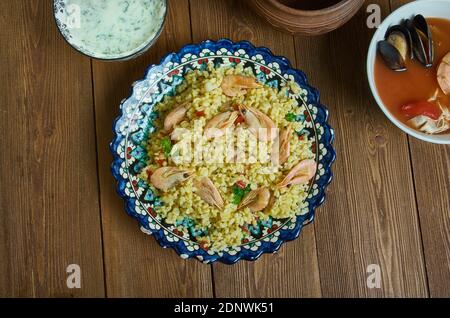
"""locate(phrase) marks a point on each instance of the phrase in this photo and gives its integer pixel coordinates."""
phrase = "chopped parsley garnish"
(239, 193)
(290, 117)
(166, 145)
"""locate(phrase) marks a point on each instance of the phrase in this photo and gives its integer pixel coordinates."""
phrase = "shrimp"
(217, 126)
(259, 123)
(281, 148)
(256, 200)
(285, 146)
(208, 192)
(301, 173)
(443, 74)
(165, 178)
(174, 117)
(430, 126)
(233, 85)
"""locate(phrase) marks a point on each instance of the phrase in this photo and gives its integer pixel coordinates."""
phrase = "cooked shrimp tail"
(256, 200)
(301, 173)
(259, 123)
(285, 148)
(208, 192)
(174, 117)
(165, 178)
(217, 126)
(233, 85)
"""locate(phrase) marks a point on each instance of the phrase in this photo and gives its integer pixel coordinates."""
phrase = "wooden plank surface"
(389, 203)
(431, 167)
(431, 170)
(49, 188)
(370, 215)
(293, 272)
(135, 264)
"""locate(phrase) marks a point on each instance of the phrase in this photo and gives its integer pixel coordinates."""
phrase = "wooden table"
(389, 203)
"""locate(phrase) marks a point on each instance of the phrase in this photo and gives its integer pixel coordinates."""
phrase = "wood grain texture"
(431, 167)
(135, 264)
(49, 188)
(293, 272)
(389, 203)
(371, 216)
(431, 170)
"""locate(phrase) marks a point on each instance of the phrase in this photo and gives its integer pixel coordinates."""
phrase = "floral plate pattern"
(133, 126)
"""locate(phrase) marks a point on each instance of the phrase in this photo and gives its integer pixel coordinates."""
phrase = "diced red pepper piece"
(244, 228)
(421, 108)
(239, 120)
(160, 162)
(241, 184)
(200, 113)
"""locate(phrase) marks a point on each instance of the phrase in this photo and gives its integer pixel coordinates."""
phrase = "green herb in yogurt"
(115, 28)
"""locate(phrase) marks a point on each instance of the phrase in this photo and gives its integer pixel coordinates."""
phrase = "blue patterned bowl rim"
(324, 141)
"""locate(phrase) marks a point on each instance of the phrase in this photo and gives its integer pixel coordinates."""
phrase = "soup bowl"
(429, 9)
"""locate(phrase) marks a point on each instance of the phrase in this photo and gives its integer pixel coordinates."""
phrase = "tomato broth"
(417, 83)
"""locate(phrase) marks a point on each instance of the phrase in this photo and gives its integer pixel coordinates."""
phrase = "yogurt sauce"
(113, 29)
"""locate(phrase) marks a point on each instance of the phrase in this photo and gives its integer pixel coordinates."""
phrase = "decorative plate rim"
(327, 138)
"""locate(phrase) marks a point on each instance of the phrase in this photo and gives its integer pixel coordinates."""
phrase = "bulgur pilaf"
(215, 194)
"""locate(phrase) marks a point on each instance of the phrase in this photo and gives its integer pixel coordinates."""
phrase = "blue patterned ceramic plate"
(134, 125)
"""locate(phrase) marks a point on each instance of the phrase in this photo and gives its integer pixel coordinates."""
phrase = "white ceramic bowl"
(62, 13)
(428, 8)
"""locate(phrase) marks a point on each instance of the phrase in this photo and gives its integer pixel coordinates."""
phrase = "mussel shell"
(422, 42)
(421, 24)
(398, 40)
(391, 56)
(406, 36)
(417, 47)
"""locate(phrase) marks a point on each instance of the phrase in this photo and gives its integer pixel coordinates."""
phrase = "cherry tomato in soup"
(421, 108)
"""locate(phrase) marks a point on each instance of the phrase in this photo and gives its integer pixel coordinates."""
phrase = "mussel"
(399, 36)
(395, 48)
(424, 46)
(391, 56)
(410, 39)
